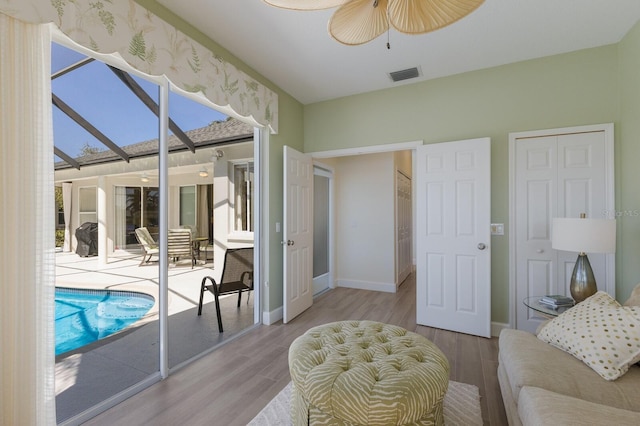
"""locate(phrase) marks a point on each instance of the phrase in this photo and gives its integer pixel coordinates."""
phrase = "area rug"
(461, 407)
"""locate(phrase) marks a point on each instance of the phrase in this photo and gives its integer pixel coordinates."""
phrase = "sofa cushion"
(541, 407)
(600, 333)
(510, 404)
(528, 361)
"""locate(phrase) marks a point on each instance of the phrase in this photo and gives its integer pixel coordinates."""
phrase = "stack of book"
(557, 301)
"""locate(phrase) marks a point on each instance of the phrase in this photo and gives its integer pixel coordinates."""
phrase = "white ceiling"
(294, 50)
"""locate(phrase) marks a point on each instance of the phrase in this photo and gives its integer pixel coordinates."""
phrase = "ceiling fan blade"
(358, 21)
(422, 16)
(306, 4)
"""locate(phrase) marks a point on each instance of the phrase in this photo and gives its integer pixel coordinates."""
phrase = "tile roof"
(216, 133)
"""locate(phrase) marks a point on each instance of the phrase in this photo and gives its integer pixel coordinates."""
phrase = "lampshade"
(584, 235)
(203, 172)
(144, 178)
(360, 21)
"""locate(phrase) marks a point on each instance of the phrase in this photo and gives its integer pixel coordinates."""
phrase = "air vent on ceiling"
(404, 74)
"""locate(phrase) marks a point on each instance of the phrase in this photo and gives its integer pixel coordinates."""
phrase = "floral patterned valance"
(154, 47)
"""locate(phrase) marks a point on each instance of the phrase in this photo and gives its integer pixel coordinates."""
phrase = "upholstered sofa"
(542, 384)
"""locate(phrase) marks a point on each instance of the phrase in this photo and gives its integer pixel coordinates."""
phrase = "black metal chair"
(237, 276)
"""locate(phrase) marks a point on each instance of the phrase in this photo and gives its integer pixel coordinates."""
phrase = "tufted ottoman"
(366, 373)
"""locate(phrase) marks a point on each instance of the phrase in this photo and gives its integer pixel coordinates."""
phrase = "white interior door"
(298, 234)
(556, 175)
(453, 277)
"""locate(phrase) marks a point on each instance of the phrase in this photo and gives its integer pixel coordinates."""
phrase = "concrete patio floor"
(100, 370)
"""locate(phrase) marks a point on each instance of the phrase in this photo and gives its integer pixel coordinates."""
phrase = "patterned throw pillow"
(599, 332)
(634, 299)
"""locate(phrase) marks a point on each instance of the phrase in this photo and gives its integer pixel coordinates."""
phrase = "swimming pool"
(84, 316)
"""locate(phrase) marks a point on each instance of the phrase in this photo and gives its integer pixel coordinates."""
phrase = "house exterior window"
(243, 177)
(188, 205)
(150, 202)
(60, 218)
(59, 209)
(135, 207)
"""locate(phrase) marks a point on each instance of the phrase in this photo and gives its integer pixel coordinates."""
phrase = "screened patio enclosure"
(107, 162)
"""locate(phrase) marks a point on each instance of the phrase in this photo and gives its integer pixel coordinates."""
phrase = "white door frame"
(608, 130)
(322, 169)
(261, 221)
(268, 317)
(371, 149)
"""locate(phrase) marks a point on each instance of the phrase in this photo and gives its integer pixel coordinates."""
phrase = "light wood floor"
(231, 385)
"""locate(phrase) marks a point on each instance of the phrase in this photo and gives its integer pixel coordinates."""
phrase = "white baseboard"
(367, 285)
(497, 327)
(272, 317)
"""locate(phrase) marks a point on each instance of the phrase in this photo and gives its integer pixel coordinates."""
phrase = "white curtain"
(66, 205)
(120, 199)
(27, 226)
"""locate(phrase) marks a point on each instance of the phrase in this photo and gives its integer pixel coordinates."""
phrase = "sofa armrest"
(538, 407)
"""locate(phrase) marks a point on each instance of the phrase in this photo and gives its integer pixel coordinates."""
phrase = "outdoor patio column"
(66, 205)
(103, 256)
(222, 222)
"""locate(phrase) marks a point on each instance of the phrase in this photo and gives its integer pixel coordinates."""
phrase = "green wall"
(577, 88)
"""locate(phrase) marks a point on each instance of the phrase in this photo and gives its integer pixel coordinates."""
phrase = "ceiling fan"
(360, 21)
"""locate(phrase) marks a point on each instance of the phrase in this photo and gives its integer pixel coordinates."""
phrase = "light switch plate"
(497, 229)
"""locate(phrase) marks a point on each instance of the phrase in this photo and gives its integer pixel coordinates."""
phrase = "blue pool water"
(84, 316)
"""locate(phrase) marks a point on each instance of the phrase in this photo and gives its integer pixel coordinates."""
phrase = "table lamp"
(584, 236)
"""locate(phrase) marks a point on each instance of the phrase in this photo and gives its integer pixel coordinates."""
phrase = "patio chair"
(199, 243)
(237, 276)
(147, 243)
(179, 245)
(192, 228)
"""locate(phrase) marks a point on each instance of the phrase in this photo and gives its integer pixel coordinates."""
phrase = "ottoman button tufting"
(372, 373)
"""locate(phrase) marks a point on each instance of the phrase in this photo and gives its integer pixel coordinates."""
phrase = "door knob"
(290, 242)
(482, 246)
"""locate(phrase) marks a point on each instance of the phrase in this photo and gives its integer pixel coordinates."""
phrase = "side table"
(197, 246)
(547, 311)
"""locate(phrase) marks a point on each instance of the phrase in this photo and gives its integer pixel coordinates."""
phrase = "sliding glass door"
(214, 199)
(135, 207)
(107, 336)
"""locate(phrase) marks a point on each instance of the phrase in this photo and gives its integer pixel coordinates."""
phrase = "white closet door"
(556, 176)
